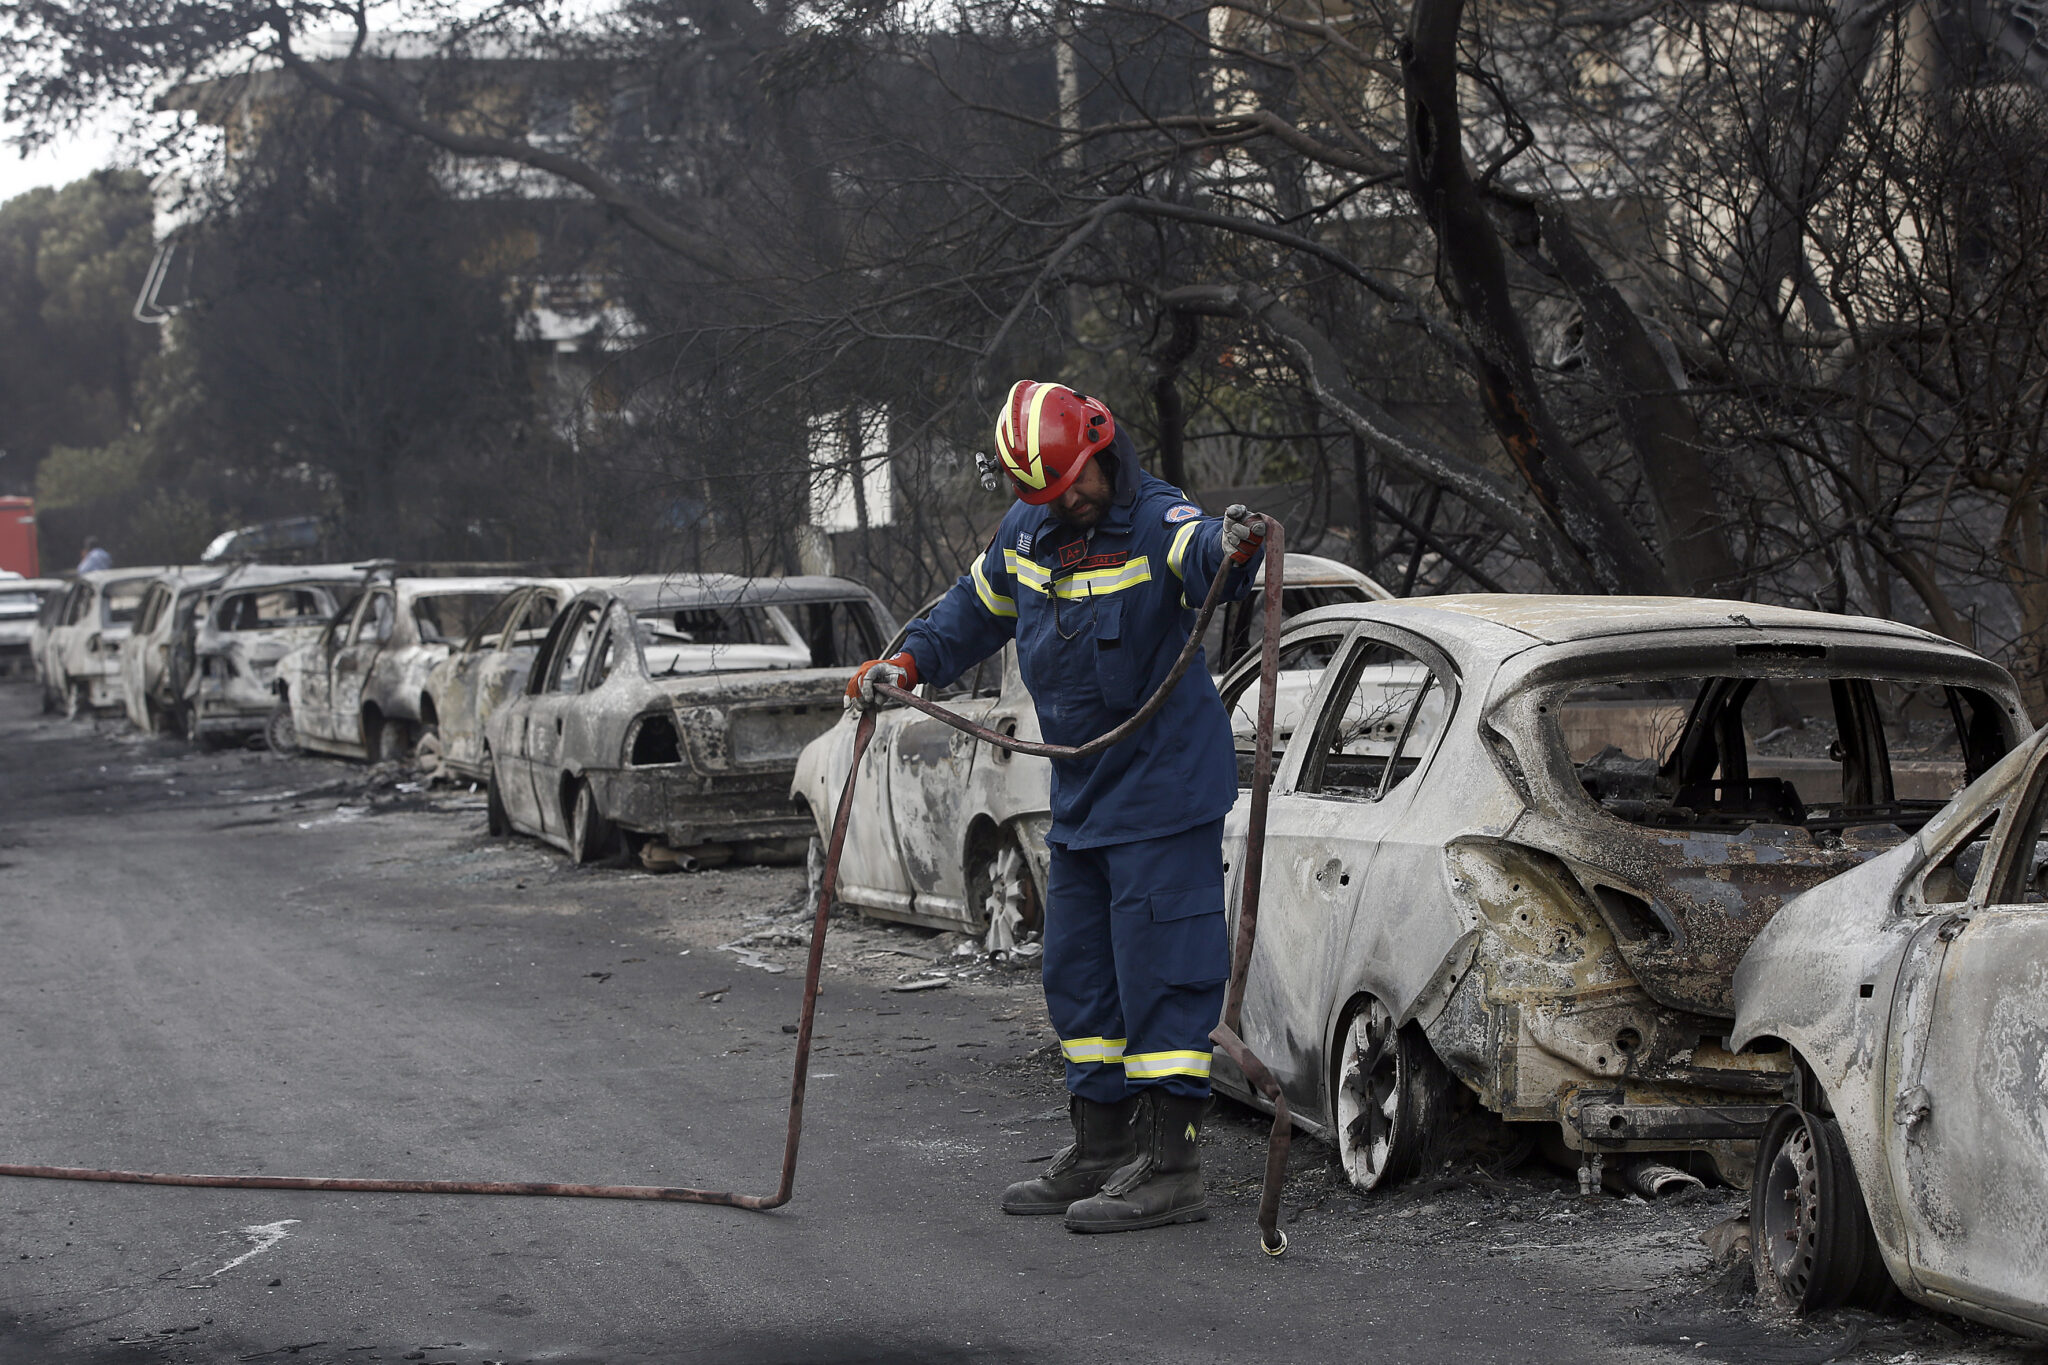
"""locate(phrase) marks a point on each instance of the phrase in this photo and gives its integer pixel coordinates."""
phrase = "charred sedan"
(673, 710)
(1911, 996)
(1517, 846)
(360, 689)
(257, 615)
(77, 642)
(157, 664)
(487, 668)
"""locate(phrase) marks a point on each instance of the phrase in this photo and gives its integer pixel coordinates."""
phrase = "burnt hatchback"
(1517, 846)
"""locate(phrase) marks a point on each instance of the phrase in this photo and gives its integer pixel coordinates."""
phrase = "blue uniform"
(1136, 954)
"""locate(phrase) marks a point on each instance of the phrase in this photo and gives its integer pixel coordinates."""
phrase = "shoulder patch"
(1180, 512)
(1023, 542)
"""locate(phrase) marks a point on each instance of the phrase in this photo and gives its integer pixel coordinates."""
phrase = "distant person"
(96, 556)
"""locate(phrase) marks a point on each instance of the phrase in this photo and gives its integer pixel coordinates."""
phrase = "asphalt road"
(241, 964)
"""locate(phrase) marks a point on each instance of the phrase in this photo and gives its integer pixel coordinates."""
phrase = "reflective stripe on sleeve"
(997, 604)
(1147, 1066)
(1177, 553)
(1081, 1051)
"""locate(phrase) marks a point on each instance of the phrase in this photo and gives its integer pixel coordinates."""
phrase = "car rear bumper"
(685, 808)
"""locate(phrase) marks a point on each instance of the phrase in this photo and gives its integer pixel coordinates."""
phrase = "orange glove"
(898, 671)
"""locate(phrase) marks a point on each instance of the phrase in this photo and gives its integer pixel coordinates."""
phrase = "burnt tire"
(280, 735)
(428, 757)
(593, 840)
(497, 823)
(1811, 1244)
(1392, 1097)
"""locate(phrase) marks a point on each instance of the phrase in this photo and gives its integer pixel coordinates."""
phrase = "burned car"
(22, 602)
(157, 663)
(79, 650)
(1517, 845)
(950, 833)
(253, 618)
(673, 709)
(357, 690)
(473, 681)
(1911, 997)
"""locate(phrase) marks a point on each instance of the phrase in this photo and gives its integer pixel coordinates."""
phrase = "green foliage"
(75, 476)
(71, 262)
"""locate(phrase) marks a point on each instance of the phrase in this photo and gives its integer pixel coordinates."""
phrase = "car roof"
(100, 578)
(442, 587)
(282, 575)
(1516, 620)
(652, 592)
(1314, 571)
(41, 585)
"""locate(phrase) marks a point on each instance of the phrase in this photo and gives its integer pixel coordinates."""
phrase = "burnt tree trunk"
(1474, 280)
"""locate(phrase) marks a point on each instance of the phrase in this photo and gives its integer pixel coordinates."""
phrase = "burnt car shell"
(695, 747)
(1566, 964)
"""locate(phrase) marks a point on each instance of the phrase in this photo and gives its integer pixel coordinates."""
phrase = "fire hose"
(1225, 1035)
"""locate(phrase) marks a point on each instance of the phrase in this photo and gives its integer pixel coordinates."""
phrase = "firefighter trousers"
(1136, 960)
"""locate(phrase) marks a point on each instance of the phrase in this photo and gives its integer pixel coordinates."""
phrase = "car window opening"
(450, 618)
(1301, 667)
(273, 609)
(1826, 754)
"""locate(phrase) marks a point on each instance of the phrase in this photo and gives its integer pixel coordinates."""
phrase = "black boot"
(1104, 1139)
(1164, 1183)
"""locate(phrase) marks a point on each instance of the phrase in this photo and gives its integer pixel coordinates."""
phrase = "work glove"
(1244, 532)
(898, 670)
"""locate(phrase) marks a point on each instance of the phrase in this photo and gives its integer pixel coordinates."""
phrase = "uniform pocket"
(1191, 942)
(1116, 664)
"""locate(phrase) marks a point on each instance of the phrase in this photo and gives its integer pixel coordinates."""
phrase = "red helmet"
(1045, 433)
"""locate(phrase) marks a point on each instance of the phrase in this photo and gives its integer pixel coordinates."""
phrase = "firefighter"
(1096, 572)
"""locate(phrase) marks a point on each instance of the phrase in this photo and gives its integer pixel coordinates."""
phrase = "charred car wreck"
(672, 710)
(257, 615)
(1521, 843)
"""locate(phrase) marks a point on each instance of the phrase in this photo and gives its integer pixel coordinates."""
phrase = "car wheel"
(427, 753)
(279, 733)
(77, 702)
(592, 839)
(999, 886)
(496, 823)
(1393, 1097)
(375, 731)
(1810, 1239)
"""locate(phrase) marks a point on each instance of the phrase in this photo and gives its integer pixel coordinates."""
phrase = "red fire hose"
(1225, 1035)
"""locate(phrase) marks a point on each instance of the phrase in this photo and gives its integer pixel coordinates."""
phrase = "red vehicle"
(18, 537)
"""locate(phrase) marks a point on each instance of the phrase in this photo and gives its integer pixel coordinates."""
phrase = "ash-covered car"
(1517, 845)
(1911, 997)
(157, 664)
(485, 669)
(79, 649)
(359, 689)
(21, 604)
(949, 833)
(673, 709)
(253, 618)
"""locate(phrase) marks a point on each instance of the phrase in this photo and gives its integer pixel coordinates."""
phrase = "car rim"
(579, 824)
(1006, 899)
(1369, 1095)
(1792, 1213)
(283, 735)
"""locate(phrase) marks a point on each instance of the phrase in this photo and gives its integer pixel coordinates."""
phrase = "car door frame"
(357, 658)
(1339, 966)
(544, 717)
(1920, 1094)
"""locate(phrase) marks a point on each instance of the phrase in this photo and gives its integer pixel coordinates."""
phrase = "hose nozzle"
(991, 477)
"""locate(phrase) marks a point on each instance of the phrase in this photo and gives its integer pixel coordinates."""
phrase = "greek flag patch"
(1023, 542)
(1182, 512)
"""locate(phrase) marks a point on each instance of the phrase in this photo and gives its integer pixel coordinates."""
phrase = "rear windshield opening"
(274, 609)
(123, 600)
(1825, 753)
(740, 636)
